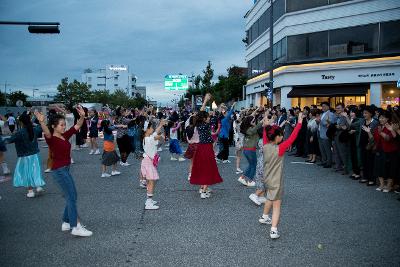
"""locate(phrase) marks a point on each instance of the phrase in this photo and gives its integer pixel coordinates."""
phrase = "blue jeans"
(67, 186)
(251, 157)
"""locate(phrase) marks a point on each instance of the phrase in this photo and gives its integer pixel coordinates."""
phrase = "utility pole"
(5, 92)
(270, 94)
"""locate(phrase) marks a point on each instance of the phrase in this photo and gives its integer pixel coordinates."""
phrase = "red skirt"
(190, 151)
(205, 170)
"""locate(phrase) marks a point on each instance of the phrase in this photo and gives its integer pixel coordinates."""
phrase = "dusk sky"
(154, 38)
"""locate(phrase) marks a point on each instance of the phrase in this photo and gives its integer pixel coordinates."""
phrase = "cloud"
(153, 37)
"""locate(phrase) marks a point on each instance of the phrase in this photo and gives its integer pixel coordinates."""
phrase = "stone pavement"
(327, 220)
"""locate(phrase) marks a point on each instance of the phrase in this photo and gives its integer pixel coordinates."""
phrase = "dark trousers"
(368, 158)
(224, 153)
(354, 154)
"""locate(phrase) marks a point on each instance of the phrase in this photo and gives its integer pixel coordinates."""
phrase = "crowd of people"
(362, 142)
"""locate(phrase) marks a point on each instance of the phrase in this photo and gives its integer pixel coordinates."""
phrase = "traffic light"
(44, 29)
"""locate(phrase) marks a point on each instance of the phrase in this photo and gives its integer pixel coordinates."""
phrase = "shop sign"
(374, 75)
(328, 77)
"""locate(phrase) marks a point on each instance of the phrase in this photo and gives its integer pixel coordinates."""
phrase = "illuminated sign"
(176, 82)
(118, 68)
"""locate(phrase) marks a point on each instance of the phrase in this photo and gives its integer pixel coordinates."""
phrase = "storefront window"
(390, 95)
(390, 37)
(354, 40)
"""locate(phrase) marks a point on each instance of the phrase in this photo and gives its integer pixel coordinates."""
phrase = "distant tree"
(15, 96)
(2, 99)
(100, 96)
(207, 78)
(72, 93)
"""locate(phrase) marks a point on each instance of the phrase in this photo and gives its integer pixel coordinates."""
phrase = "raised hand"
(81, 111)
(366, 129)
(39, 116)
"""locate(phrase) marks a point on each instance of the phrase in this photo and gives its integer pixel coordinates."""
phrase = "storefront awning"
(337, 90)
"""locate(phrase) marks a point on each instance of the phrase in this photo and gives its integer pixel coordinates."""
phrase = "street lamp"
(37, 27)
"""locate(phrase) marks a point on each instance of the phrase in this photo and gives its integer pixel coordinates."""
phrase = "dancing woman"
(57, 139)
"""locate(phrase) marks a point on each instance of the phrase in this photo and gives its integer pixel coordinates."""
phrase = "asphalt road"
(327, 220)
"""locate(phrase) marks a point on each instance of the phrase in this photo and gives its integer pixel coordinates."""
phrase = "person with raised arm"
(204, 171)
(57, 139)
(274, 150)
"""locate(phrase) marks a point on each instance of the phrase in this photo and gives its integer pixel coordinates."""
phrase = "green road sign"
(176, 82)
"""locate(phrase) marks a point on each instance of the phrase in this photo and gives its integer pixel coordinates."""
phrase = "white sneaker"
(159, 149)
(203, 195)
(143, 184)
(80, 230)
(217, 160)
(262, 200)
(85, 145)
(208, 191)
(239, 171)
(47, 171)
(149, 205)
(379, 189)
(251, 184)
(265, 220)
(242, 181)
(226, 161)
(189, 176)
(72, 161)
(274, 234)
(91, 152)
(115, 173)
(39, 189)
(254, 198)
(65, 227)
(181, 159)
(126, 164)
(173, 159)
(105, 175)
(97, 152)
(153, 201)
(30, 194)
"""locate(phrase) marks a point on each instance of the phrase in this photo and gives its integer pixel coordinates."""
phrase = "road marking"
(298, 162)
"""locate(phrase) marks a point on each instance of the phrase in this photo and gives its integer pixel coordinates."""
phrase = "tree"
(100, 96)
(2, 99)
(72, 93)
(206, 81)
(15, 96)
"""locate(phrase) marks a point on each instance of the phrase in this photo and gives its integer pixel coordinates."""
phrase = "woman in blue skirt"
(28, 171)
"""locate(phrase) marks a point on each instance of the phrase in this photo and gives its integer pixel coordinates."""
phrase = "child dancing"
(150, 162)
(274, 151)
(174, 146)
(110, 156)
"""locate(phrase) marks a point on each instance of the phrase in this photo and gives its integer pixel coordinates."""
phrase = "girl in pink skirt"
(150, 161)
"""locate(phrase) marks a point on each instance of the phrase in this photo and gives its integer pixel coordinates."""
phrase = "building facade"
(113, 77)
(324, 50)
(139, 91)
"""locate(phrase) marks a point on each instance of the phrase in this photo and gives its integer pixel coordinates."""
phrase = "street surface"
(327, 220)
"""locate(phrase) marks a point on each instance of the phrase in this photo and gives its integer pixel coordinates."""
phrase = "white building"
(139, 91)
(325, 50)
(111, 78)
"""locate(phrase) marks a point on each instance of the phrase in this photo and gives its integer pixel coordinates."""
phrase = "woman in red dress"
(204, 171)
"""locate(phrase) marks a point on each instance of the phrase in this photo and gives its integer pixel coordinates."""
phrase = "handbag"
(156, 159)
